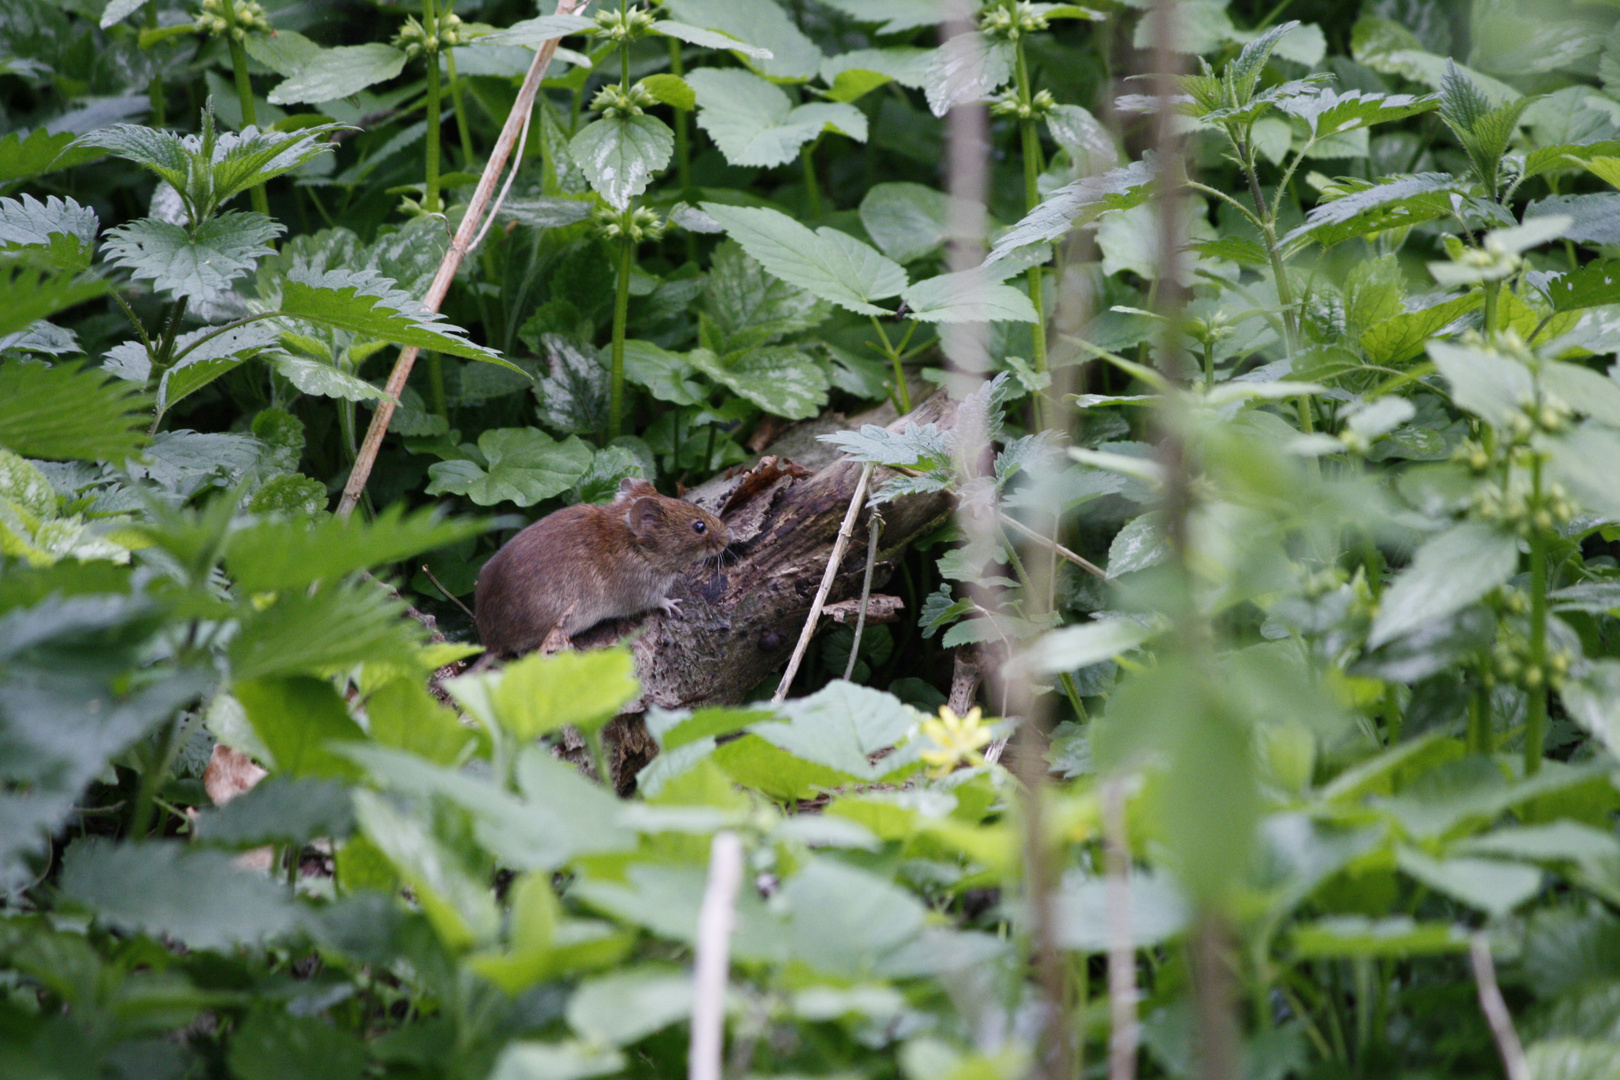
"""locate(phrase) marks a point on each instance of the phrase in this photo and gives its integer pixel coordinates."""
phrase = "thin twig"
(844, 532)
(874, 529)
(1122, 1037)
(1496, 1010)
(1079, 560)
(712, 960)
(516, 124)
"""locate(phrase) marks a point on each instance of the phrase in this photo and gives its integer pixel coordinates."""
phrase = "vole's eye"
(700, 527)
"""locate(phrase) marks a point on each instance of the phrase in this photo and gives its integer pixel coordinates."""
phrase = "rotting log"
(739, 623)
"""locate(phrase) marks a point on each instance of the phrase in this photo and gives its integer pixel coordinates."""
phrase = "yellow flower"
(957, 740)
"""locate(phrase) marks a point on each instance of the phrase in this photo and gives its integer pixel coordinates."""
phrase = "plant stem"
(1031, 145)
(154, 89)
(902, 395)
(1492, 288)
(1535, 728)
(812, 189)
(459, 107)
(244, 96)
(435, 119)
(621, 314)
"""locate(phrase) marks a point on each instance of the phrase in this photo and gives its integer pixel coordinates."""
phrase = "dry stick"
(516, 127)
(874, 529)
(1496, 1010)
(1122, 1036)
(712, 960)
(844, 532)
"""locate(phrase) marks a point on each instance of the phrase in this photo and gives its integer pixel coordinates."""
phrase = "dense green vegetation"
(1325, 764)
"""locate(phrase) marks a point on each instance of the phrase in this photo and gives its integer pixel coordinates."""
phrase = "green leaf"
(1546, 159)
(58, 233)
(295, 719)
(1158, 912)
(1139, 545)
(1573, 1059)
(754, 123)
(619, 155)
(1593, 701)
(541, 694)
(1400, 338)
(201, 898)
(1387, 47)
(670, 89)
(1368, 208)
(405, 716)
(907, 221)
(1328, 113)
(1595, 218)
(665, 375)
(1583, 459)
(1352, 936)
(1486, 383)
(745, 307)
(968, 67)
(1073, 647)
(35, 292)
(790, 56)
(1075, 205)
(1583, 390)
(708, 39)
(1450, 571)
(828, 263)
(524, 1059)
(1592, 285)
(272, 1043)
(922, 448)
(272, 555)
(68, 412)
(1493, 886)
(339, 73)
(841, 726)
(324, 379)
(331, 629)
(627, 1006)
(896, 16)
(525, 465)
(460, 907)
(535, 32)
(283, 52)
(27, 154)
(364, 302)
(1244, 72)
(277, 811)
(783, 381)
(966, 296)
(198, 264)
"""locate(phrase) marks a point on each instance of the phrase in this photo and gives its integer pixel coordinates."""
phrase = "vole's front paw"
(670, 606)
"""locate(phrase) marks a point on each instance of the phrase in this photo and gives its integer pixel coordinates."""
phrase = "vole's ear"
(645, 516)
(633, 487)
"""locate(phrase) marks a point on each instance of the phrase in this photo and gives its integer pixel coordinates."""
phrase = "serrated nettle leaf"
(1449, 572)
(27, 154)
(1245, 71)
(783, 381)
(1078, 204)
(1594, 284)
(1488, 384)
(709, 39)
(62, 230)
(619, 155)
(754, 122)
(199, 264)
(366, 303)
(68, 412)
(524, 466)
(828, 263)
(966, 296)
(1392, 202)
(1389, 48)
(38, 292)
(745, 307)
(1399, 338)
(968, 67)
(1328, 113)
(923, 448)
(339, 73)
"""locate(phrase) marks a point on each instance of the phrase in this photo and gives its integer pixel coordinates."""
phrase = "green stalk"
(621, 315)
(683, 145)
(812, 188)
(244, 95)
(902, 395)
(154, 89)
(435, 119)
(1031, 140)
(1492, 288)
(1535, 729)
(459, 107)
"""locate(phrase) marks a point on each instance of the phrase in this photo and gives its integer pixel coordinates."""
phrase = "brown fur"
(582, 564)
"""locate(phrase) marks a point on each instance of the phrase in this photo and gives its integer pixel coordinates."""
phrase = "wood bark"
(739, 622)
